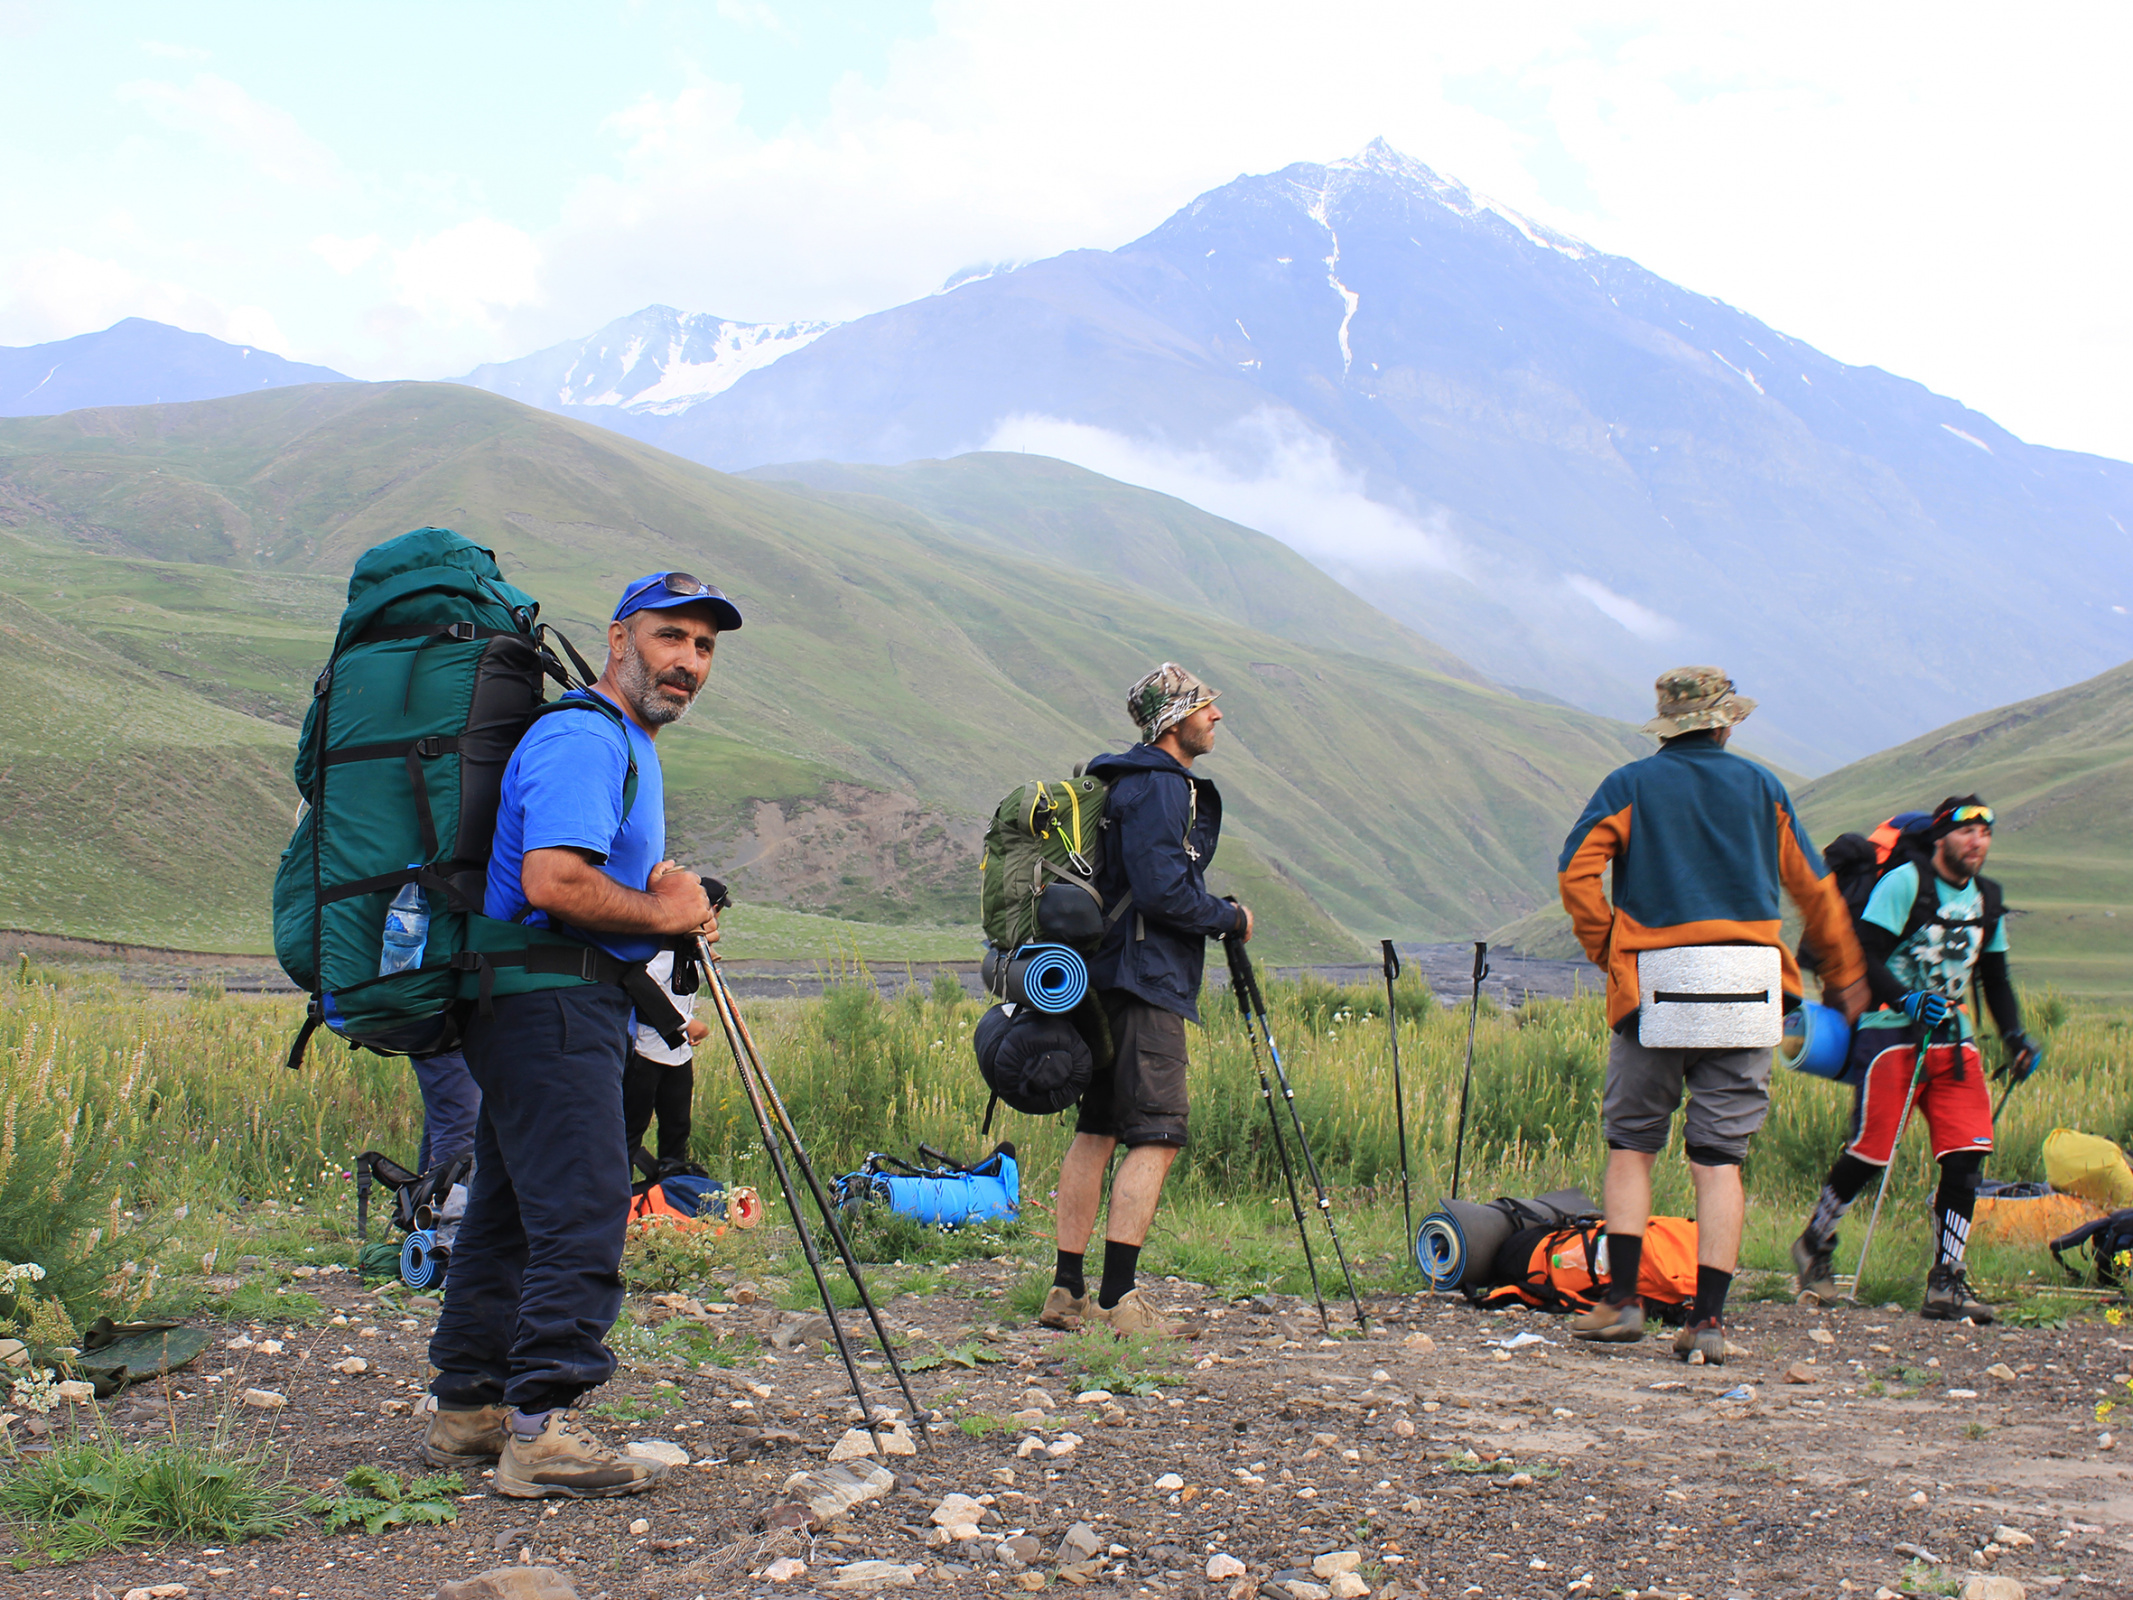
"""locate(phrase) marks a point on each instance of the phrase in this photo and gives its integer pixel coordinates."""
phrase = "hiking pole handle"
(1481, 960)
(1392, 960)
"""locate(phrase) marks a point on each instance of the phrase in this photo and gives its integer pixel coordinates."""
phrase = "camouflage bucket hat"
(1696, 697)
(1165, 698)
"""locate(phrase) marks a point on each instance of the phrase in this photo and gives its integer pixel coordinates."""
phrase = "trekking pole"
(1243, 960)
(730, 1017)
(1399, 1095)
(1910, 1103)
(1281, 1150)
(1481, 970)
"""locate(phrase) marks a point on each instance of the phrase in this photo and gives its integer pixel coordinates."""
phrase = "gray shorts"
(1729, 1095)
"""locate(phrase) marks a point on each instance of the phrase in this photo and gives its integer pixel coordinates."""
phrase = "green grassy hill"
(1070, 517)
(183, 564)
(2058, 770)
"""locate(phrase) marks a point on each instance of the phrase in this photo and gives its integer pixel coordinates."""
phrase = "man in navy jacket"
(1162, 824)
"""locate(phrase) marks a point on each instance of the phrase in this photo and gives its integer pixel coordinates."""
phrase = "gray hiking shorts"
(1729, 1095)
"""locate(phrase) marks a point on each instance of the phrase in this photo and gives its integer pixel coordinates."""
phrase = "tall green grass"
(155, 1101)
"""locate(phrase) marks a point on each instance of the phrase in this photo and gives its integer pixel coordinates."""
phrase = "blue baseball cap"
(662, 591)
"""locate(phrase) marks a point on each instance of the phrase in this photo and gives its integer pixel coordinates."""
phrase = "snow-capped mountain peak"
(656, 363)
(1380, 159)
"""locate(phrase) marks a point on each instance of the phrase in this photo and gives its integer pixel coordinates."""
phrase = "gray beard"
(640, 689)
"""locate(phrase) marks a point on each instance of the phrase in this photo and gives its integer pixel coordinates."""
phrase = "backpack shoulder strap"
(593, 702)
(1995, 904)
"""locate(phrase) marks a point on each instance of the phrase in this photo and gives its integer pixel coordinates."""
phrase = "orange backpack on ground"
(1557, 1273)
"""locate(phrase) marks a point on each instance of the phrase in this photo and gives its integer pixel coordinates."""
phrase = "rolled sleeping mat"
(1457, 1242)
(1047, 977)
(1817, 1041)
(422, 1262)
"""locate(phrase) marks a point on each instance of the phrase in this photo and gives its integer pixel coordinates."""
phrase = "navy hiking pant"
(535, 1279)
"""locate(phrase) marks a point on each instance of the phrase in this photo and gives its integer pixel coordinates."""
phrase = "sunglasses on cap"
(675, 583)
(1963, 816)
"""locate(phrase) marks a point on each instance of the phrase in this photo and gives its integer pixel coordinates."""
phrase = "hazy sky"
(405, 190)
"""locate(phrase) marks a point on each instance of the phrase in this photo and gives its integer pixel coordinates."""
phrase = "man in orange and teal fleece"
(1702, 842)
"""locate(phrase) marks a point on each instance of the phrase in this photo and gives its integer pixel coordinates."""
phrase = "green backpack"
(1043, 849)
(437, 670)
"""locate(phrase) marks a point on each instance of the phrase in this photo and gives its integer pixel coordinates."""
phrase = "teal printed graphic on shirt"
(1940, 957)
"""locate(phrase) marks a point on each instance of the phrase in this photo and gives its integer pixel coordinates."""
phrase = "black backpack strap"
(589, 701)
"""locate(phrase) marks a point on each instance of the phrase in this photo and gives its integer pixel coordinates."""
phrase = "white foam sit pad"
(1710, 997)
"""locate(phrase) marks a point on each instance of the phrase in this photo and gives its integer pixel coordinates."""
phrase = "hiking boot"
(1707, 1336)
(1815, 1267)
(471, 1438)
(565, 1461)
(1948, 1297)
(1134, 1313)
(1607, 1323)
(1064, 1309)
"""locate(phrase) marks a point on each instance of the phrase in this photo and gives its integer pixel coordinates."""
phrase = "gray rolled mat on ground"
(1457, 1243)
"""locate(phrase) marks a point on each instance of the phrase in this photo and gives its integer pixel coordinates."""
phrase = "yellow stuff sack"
(2093, 1168)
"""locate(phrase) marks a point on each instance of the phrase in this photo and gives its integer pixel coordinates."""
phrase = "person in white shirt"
(660, 1079)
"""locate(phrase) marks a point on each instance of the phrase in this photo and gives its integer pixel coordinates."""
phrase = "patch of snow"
(1349, 298)
(978, 272)
(742, 348)
(1740, 372)
(1967, 438)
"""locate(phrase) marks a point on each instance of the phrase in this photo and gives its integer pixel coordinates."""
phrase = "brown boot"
(565, 1461)
(1134, 1313)
(458, 1439)
(1607, 1323)
(1063, 1309)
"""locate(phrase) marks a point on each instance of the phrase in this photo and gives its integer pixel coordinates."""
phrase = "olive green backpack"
(1043, 849)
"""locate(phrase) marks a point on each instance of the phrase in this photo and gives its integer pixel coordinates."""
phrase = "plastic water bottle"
(407, 930)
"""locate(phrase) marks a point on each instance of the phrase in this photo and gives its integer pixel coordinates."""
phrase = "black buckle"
(463, 632)
(589, 965)
(429, 748)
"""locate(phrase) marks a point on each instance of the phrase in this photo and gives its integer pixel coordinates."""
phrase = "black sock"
(1121, 1261)
(1711, 1287)
(1625, 1254)
(1067, 1275)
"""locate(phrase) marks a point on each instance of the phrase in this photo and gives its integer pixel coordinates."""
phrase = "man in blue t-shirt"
(535, 1279)
(1921, 958)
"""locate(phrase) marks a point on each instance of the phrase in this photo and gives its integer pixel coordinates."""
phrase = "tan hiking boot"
(464, 1438)
(565, 1461)
(1815, 1271)
(1134, 1313)
(1707, 1338)
(1606, 1323)
(1063, 1309)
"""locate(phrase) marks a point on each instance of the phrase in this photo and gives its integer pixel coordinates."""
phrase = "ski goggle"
(1963, 816)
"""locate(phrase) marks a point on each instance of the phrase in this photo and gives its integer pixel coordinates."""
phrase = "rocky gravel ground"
(1448, 1453)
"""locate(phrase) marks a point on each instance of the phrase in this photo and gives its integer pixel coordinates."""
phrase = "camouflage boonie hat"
(1696, 697)
(1165, 698)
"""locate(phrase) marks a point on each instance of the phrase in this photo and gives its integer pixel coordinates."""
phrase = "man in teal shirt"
(1932, 926)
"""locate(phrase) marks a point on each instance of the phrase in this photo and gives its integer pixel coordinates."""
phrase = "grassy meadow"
(147, 1139)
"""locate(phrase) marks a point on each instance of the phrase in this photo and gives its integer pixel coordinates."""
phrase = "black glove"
(2022, 1055)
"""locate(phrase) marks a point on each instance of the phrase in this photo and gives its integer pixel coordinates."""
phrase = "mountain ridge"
(139, 362)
